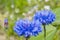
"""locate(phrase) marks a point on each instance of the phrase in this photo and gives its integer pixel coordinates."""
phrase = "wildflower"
(26, 28)
(45, 16)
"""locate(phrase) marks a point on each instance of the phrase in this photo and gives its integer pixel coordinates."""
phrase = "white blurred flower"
(46, 0)
(12, 6)
(47, 7)
(30, 12)
(29, 1)
(11, 16)
(24, 14)
(30, 18)
(17, 10)
(35, 6)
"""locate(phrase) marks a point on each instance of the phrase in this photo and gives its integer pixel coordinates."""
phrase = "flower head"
(45, 16)
(6, 20)
(27, 28)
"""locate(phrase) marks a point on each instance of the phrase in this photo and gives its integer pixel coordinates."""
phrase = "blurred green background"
(17, 9)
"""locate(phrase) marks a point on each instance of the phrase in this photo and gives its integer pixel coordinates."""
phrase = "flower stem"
(44, 32)
(27, 38)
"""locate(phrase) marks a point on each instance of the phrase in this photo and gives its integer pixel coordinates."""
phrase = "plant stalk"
(27, 38)
(44, 32)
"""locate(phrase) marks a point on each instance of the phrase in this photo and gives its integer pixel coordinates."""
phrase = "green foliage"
(51, 31)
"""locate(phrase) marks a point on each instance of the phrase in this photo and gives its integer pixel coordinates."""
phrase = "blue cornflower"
(45, 16)
(6, 20)
(27, 28)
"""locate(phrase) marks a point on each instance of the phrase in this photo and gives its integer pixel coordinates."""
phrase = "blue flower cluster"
(27, 28)
(45, 16)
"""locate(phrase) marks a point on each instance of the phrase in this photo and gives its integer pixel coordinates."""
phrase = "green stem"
(44, 32)
(27, 38)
